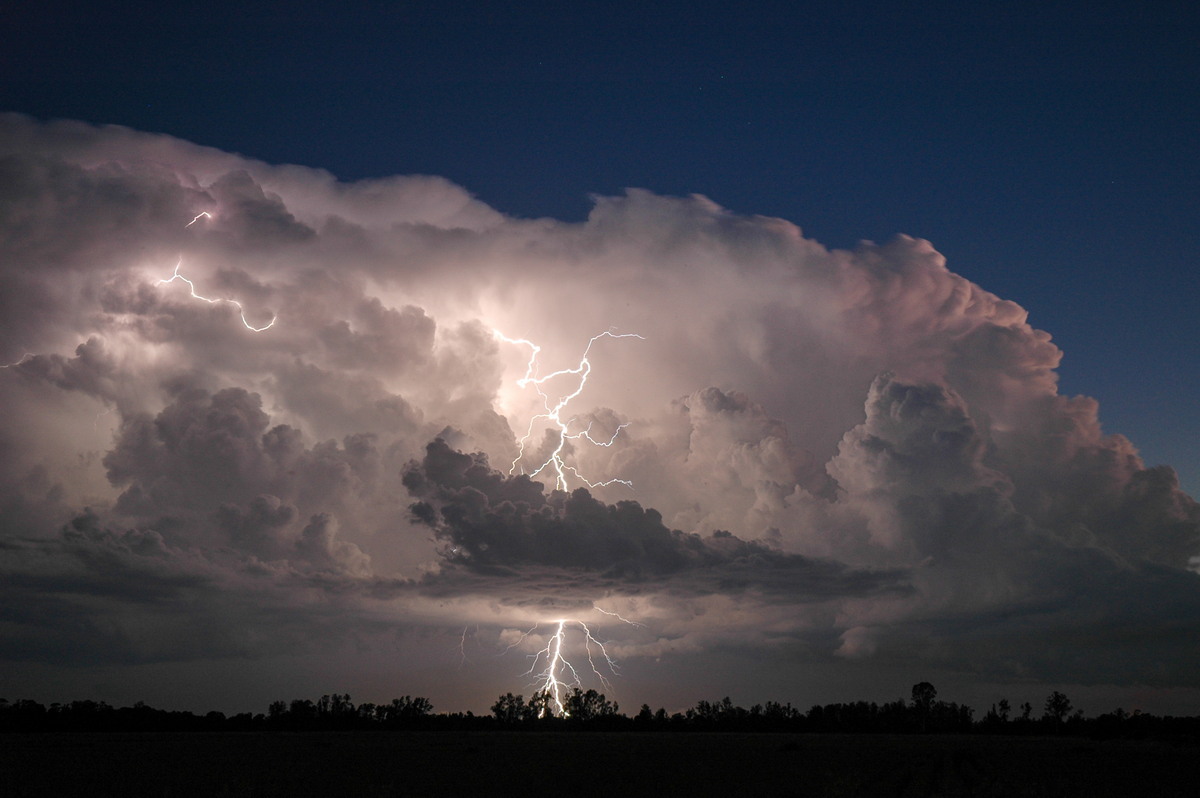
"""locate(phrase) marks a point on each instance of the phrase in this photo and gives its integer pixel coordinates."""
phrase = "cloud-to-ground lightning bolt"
(555, 408)
(558, 673)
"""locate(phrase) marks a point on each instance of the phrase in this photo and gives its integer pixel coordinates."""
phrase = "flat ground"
(585, 764)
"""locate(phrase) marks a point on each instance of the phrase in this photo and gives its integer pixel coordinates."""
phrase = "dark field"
(582, 764)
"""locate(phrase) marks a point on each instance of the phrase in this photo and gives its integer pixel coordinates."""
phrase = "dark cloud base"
(507, 528)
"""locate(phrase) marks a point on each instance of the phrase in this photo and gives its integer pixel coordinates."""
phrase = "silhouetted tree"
(341, 708)
(895, 716)
(584, 707)
(406, 711)
(592, 710)
(511, 709)
(1058, 706)
(777, 716)
(923, 696)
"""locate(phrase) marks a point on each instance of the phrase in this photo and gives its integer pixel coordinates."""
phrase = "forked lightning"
(558, 674)
(177, 276)
(555, 408)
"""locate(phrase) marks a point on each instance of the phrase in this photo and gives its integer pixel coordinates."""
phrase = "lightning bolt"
(558, 674)
(192, 286)
(241, 311)
(555, 407)
(553, 671)
(15, 363)
(619, 618)
(462, 645)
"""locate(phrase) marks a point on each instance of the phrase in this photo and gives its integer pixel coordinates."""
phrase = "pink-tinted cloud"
(852, 455)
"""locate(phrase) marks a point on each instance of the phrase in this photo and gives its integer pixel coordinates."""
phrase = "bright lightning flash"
(556, 407)
(192, 286)
(241, 311)
(558, 674)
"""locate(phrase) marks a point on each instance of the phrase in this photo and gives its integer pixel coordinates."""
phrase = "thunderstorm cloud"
(834, 456)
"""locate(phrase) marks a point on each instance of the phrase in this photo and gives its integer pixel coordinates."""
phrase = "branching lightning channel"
(192, 286)
(559, 674)
(617, 615)
(552, 669)
(241, 311)
(555, 409)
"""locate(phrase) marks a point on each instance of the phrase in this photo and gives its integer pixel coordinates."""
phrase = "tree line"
(923, 713)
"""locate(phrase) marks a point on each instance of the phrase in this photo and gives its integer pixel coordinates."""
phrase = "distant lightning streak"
(555, 408)
(22, 359)
(177, 276)
(462, 645)
(619, 618)
(241, 311)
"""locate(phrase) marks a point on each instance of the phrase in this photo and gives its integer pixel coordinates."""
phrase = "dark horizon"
(924, 712)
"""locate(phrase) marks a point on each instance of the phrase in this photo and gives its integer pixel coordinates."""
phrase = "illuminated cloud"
(851, 456)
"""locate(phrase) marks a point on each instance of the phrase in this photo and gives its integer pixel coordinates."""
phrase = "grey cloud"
(319, 545)
(1070, 483)
(336, 403)
(219, 451)
(252, 218)
(94, 596)
(1083, 619)
(258, 527)
(314, 194)
(91, 371)
(386, 339)
(915, 437)
(1006, 595)
(501, 526)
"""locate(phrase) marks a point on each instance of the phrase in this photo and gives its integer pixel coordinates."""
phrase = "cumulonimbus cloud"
(859, 449)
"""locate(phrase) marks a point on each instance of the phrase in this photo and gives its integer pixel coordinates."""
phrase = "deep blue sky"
(1047, 149)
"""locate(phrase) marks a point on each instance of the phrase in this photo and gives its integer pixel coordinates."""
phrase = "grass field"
(586, 764)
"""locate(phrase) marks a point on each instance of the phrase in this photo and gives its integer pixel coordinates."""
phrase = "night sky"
(914, 397)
